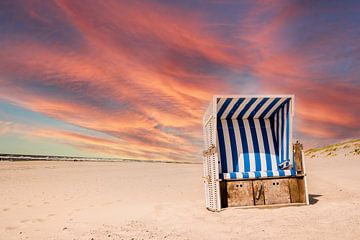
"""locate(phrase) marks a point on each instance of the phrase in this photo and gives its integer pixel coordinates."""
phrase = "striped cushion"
(257, 174)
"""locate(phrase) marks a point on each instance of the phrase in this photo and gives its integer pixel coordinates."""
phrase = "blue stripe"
(232, 175)
(223, 107)
(257, 108)
(266, 144)
(278, 137)
(221, 146)
(256, 145)
(247, 106)
(244, 145)
(235, 107)
(233, 145)
(288, 131)
(271, 105)
(282, 134)
(245, 175)
(223, 159)
(272, 124)
(280, 107)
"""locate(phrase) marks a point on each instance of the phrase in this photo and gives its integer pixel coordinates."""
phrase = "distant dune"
(349, 150)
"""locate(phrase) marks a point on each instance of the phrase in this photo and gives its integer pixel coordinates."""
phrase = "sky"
(132, 79)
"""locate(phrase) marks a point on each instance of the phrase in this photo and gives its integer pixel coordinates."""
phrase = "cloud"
(143, 73)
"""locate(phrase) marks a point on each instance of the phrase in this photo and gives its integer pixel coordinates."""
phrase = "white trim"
(255, 96)
(218, 207)
(291, 147)
(305, 180)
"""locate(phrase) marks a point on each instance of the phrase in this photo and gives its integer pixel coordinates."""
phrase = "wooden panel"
(294, 190)
(276, 191)
(298, 157)
(240, 193)
(297, 190)
(223, 196)
(259, 198)
(302, 191)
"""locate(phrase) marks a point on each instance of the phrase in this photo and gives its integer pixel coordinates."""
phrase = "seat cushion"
(257, 174)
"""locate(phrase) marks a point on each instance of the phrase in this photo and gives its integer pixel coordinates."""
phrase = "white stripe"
(279, 136)
(285, 128)
(253, 106)
(220, 103)
(275, 173)
(250, 145)
(260, 139)
(239, 146)
(251, 175)
(228, 108)
(271, 144)
(274, 108)
(291, 131)
(262, 109)
(241, 106)
(227, 146)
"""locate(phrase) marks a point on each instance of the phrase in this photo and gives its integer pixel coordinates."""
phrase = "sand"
(134, 200)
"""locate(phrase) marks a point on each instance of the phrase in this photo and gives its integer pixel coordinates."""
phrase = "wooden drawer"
(240, 193)
(276, 191)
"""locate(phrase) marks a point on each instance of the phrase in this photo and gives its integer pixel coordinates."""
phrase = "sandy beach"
(135, 200)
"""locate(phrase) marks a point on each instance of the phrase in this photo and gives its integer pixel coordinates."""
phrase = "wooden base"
(282, 191)
(267, 206)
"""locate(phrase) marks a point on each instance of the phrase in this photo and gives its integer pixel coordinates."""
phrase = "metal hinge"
(211, 150)
(206, 178)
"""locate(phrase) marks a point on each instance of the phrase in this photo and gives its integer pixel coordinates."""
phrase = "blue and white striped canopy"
(254, 135)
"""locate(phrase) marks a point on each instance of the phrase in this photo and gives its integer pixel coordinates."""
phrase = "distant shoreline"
(26, 158)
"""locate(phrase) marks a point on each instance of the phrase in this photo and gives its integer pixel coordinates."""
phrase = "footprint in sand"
(11, 228)
(38, 220)
(6, 209)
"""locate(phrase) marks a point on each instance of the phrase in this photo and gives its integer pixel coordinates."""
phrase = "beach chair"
(249, 158)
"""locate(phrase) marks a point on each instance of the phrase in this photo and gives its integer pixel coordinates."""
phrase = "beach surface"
(139, 200)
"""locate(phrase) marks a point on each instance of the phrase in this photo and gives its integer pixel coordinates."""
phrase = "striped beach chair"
(249, 156)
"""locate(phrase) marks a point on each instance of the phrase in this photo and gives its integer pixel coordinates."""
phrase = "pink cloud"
(144, 74)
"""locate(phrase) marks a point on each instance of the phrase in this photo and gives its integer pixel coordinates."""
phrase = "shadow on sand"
(313, 198)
